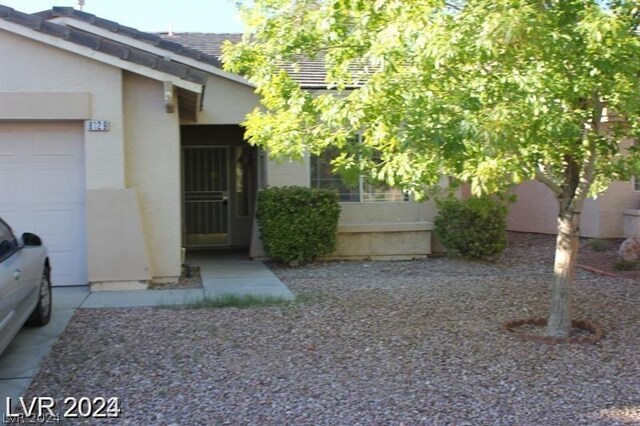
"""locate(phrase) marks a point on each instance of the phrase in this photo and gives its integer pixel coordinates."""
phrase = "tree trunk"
(559, 322)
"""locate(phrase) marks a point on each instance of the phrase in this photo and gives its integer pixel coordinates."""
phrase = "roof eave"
(140, 40)
(99, 56)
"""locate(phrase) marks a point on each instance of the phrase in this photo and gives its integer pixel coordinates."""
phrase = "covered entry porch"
(220, 174)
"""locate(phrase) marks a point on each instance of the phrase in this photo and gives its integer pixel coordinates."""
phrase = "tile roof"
(40, 22)
(202, 47)
(310, 73)
(151, 38)
(209, 43)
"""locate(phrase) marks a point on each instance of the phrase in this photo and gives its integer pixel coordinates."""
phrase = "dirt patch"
(190, 278)
(595, 255)
(602, 255)
(533, 330)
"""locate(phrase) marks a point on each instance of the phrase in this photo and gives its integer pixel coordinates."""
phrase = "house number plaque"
(97, 125)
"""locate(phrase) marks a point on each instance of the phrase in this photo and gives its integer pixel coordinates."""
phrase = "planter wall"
(631, 223)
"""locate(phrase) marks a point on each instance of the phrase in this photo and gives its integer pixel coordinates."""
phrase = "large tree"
(491, 92)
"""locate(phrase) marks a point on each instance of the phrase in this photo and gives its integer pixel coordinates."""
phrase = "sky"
(219, 16)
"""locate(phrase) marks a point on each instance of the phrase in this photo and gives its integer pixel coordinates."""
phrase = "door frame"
(241, 229)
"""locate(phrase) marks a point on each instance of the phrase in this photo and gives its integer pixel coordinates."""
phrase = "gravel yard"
(368, 343)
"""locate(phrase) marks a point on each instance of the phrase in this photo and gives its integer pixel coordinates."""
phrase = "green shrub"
(626, 265)
(598, 245)
(475, 227)
(298, 224)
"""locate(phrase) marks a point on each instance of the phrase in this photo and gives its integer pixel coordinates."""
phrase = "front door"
(206, 195)
(220, 174)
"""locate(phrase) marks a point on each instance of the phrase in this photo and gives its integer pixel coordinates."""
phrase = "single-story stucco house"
(613, 214)
(123, 148)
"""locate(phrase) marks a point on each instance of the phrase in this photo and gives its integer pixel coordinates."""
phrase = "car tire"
(42, 312)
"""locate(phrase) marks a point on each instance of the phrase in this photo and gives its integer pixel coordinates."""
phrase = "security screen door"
(206, 195)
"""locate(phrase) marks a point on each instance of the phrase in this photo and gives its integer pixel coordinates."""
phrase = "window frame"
(12, 240)
(360, 188)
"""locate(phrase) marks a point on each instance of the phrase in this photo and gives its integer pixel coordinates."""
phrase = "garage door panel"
(42, 191)
(60, 184)
(16, 183)
(59, 147)
(40, 147)
(8, 188)
(9, 150)
(64, 272)
(62, 229)
(26, 183)
(15, 147)
(20, 220)
(56, 226)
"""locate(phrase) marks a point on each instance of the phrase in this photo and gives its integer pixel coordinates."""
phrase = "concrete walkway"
(221, 275)
(21, 361)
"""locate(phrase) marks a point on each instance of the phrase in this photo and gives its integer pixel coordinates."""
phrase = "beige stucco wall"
(387, 212)
(282, 172)
(618, 197)
(45, 106)
(536, 210)
(43, 76)
(612, 203)
(226, 102)
(152, 146)
(35, 67)
(116, 238)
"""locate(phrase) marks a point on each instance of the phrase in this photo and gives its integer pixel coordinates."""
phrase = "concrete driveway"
(20, 362)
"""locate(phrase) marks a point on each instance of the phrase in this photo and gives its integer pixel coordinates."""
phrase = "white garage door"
(42, 189)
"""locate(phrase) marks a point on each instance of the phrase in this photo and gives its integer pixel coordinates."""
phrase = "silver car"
(25, 283)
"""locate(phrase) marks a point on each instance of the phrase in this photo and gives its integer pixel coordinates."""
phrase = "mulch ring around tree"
(533, 329)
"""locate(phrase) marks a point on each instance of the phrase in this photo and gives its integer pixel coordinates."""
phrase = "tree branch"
(596, 117)
(453, 5)
(542, 177)
(586, 180)
(589, 164)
